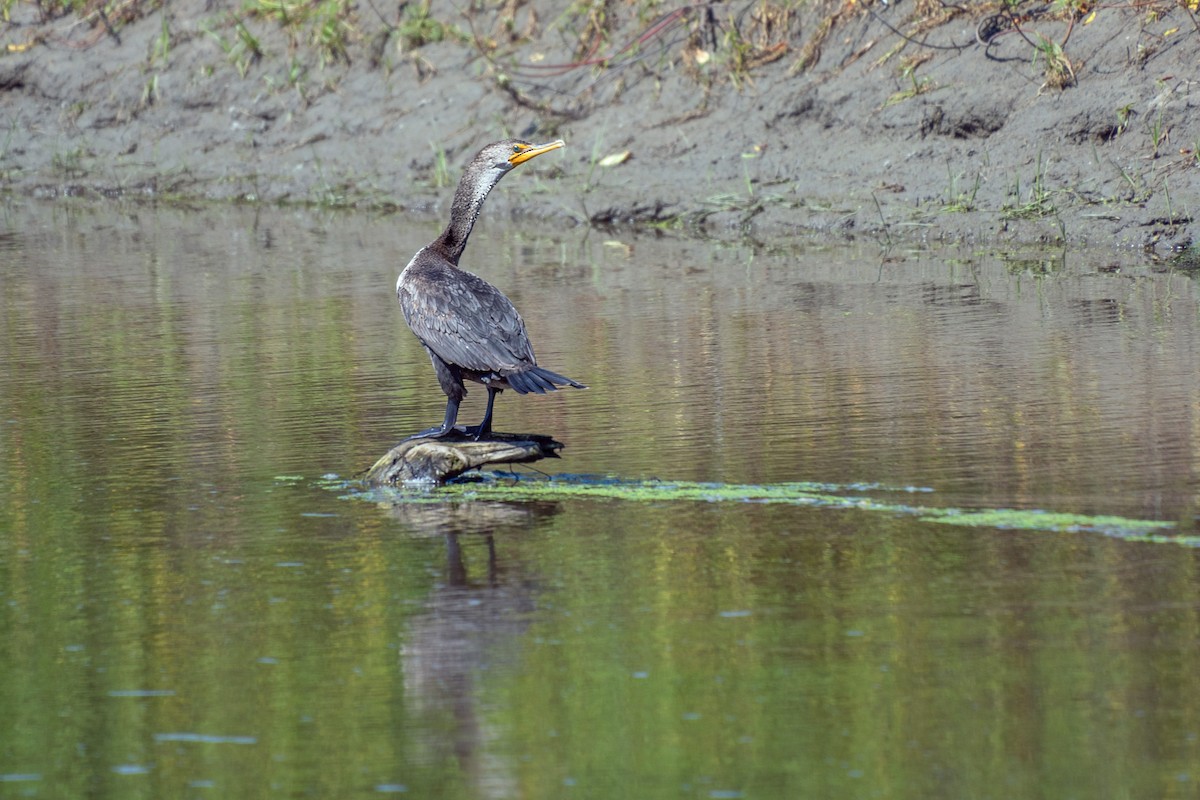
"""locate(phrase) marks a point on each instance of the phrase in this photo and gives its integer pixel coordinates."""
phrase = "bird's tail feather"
(538, 380)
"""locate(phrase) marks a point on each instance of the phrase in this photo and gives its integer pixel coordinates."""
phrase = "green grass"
(442, 176)
(420, 28)
(1037, 203)
(69, 163)
(1159, 134)
(160, 48)
(1057, 67)
(919, 87)
(242, 49)
(1138, 191)
(958, 201)
(327, 26)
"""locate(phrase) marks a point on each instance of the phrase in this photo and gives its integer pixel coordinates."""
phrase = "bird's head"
(483, 173)
(504, 155)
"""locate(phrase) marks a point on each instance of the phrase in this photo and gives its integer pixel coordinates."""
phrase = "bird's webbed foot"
(436, 432)
(477, 432)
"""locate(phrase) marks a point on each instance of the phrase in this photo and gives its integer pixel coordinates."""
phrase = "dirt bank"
(756, 119)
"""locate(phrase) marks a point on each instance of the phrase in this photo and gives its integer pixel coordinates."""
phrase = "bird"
(469, 328)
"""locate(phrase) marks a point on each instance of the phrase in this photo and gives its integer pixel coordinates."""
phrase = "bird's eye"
(517, 148)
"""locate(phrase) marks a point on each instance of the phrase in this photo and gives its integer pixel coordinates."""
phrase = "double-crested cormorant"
(468, 327)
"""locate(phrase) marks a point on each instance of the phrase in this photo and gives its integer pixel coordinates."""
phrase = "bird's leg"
(484, 428)
(447, 424)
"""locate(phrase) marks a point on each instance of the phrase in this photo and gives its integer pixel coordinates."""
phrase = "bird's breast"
(405, 273)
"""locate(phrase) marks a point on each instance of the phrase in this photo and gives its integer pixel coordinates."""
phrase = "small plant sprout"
(150, 91)
(161, 49)
(1058, 70)
(1124, 114)
(960, 201)
(243, 51)
(1037, 204)
(919, 86)
(441, 168)
(1159, 134)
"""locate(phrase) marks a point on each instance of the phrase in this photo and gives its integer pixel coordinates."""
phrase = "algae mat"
(513, 487)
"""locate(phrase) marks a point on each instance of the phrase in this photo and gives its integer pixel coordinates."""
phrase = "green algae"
(1037, 520)
(509, 487)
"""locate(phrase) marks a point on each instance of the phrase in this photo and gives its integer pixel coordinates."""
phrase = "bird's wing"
(467, 322)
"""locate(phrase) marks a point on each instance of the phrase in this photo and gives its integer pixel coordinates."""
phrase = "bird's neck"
(468, 200)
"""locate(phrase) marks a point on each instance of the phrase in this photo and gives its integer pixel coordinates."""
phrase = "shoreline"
(884, 136)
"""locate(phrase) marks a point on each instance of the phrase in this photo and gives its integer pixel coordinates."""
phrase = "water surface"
(191, 609)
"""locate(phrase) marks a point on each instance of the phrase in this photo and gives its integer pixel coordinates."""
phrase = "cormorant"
(468, 327)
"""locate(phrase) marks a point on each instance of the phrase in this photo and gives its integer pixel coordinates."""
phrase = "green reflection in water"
(177, 623)
(245, 648)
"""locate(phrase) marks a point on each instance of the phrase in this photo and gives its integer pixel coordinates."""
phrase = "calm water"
(189, 610)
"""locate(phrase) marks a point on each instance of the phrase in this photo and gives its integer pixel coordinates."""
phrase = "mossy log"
(439, 460)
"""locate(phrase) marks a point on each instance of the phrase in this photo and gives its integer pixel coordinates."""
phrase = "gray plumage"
(469, 328)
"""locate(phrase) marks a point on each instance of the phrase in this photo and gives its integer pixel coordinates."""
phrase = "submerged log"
(439, 460)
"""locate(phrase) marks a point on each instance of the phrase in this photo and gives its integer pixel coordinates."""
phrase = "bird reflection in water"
(473, 621)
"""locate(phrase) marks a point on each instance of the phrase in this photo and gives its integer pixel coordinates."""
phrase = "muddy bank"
(728, 120)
